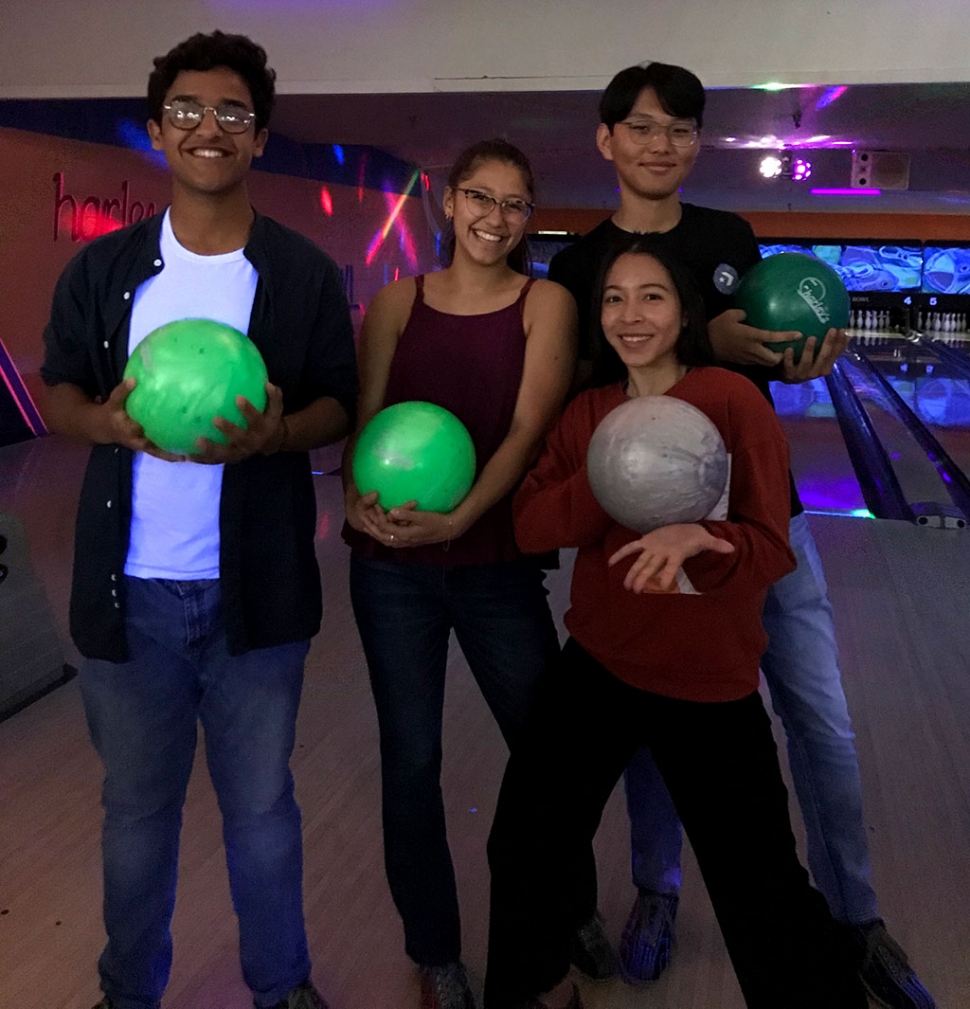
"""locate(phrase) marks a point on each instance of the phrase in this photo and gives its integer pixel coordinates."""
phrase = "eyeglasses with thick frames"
(187, 115)
(642, 131)
(482, 204)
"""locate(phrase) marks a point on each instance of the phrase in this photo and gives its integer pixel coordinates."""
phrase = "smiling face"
(641, 314)
(207, 159)
(657, 169)
(487, 238)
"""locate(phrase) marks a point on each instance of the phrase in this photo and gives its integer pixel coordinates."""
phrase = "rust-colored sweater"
(704, 646)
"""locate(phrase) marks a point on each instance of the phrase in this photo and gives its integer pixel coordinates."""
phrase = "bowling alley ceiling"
(928, 123)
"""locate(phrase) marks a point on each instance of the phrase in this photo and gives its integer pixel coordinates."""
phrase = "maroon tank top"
(471, 365)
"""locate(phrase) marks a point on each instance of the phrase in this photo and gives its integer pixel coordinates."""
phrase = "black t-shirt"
(719, 247)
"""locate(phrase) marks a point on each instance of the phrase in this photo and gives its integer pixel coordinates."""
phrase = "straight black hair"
(679, 92)
(693, 347)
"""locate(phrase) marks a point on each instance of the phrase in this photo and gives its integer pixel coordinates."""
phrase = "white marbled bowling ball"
(656, 461)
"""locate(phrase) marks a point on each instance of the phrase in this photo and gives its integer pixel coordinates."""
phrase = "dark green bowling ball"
(792, 291)
(188, 373)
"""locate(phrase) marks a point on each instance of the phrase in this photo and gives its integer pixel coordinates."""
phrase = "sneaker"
(648, 936)
(885, 970)
(303, 996)
(591, 952)
(445, 987)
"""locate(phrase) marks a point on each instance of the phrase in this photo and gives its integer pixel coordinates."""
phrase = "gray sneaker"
(303, 996)
(648, 936)
(445, 987)
(591, 952)
(885, 970)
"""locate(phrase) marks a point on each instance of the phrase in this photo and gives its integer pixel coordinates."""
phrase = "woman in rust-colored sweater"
(665, 642)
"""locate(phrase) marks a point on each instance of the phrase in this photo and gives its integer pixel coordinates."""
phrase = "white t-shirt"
(175, 505)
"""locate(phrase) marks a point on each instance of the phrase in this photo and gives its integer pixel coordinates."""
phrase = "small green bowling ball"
(415, 451)
(792, 291)
(190, 372)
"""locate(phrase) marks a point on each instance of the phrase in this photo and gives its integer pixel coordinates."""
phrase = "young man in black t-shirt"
(651, 118)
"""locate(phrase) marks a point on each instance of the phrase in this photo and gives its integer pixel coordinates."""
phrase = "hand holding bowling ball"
(414, 452)
(656, 461)
(793, 292)
(116, 427)
(188, 373)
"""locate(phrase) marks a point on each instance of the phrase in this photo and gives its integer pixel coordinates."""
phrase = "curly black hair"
(206, 52)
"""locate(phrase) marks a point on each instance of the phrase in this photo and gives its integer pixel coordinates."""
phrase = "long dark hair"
(693, 347)
(465, 166)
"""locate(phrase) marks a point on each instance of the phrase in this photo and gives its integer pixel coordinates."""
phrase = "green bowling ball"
(792, 291)
(415, 451)
(188, 373)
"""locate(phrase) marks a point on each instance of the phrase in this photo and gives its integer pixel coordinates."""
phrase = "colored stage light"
(800, 169)
(831, 95)
(378, 239)
(846, 192)
(326, 201)
(770, 166)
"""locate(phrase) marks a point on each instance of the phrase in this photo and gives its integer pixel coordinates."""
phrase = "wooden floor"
(901, 598)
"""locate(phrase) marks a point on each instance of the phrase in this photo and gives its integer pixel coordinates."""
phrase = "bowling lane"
(933, 389)
(823, 471)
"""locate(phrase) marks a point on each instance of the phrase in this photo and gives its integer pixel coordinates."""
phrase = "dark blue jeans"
(143, 717)
(405, 613)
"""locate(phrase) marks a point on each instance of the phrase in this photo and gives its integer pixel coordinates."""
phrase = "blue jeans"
(143, 717)
(405, 613)
(801, 669)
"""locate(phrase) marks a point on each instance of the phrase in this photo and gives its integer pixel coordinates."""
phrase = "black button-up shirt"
(301, 324)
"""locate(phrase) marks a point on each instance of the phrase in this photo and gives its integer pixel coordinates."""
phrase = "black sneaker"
(445, 987)
(648, 936)
(303, 996)
(885, 970)
(591, 952)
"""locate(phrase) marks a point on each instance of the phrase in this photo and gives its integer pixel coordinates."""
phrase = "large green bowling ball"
(188, 373)
(415, 451)
(656, 461)
(792, 291)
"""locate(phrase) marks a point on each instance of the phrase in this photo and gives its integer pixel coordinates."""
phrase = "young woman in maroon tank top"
(498, 350)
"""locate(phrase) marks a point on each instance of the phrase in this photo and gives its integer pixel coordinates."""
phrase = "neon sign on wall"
(92, 216)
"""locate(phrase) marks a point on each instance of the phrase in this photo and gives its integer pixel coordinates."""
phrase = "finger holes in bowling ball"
(793, 292)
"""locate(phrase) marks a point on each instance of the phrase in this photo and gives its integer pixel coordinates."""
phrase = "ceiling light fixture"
(784, 165)
(801, 169)
(771, 166)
